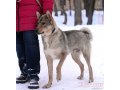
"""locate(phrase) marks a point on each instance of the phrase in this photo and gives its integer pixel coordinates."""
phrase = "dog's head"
(46, 24)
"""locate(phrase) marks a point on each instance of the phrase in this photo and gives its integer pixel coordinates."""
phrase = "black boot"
(33, 84)
(22, 79)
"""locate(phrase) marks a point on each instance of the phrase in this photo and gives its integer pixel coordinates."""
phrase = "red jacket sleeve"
(48, 5)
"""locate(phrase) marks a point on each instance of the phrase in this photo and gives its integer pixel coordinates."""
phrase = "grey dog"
(58, 44)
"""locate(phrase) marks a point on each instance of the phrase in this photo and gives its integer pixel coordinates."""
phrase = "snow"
(70, 70)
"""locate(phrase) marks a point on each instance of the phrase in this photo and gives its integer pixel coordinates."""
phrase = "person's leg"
(32, 56)
(20, 49)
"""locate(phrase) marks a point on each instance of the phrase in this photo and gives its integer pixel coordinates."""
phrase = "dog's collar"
(53, 30)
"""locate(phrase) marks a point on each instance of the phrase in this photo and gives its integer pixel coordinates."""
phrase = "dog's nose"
(36, 31)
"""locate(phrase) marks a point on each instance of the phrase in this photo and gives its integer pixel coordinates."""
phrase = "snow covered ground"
(70, 69)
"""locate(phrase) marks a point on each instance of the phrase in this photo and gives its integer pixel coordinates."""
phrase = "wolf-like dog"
(58, 44)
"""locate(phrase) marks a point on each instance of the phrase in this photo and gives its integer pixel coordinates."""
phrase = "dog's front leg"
(50, 71)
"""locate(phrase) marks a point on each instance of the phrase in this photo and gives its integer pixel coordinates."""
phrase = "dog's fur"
(58, 44)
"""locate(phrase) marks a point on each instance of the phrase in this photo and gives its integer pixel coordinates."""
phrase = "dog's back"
(78, 39)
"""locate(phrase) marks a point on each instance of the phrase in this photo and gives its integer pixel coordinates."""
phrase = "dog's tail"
(87, 32)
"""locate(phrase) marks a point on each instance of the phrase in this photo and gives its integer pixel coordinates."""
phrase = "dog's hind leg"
(86, 54)
(50, 72)
(58, 69)
(76, 57)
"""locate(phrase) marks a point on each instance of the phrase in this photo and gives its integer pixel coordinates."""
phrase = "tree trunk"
(89, 7)
(55, 8)
(78, 14)
(91, 11)
(70, 7)
(62, 4)
(103, 4)
(86, 6)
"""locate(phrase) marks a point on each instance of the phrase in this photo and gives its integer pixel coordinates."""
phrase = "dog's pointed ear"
(38, 14)
(48, 14)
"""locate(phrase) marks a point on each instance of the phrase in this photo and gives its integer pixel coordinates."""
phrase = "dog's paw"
(80, 77)
(46, 86)
(58, 78)
(91, 80)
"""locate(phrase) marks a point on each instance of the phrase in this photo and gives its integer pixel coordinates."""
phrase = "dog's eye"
(43, 23)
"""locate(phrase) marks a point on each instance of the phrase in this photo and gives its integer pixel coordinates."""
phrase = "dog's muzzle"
(37, 32)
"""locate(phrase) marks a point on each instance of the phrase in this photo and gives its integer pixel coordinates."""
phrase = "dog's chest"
(50, 50)
(54, 53)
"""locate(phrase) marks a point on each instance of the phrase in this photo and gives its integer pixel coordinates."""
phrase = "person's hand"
(18, 0)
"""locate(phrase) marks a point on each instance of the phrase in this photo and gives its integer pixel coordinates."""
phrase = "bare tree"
(55, 8)
(70, 7)
(78, 14)
(62, 5)
(89, 7)
(103, 4)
